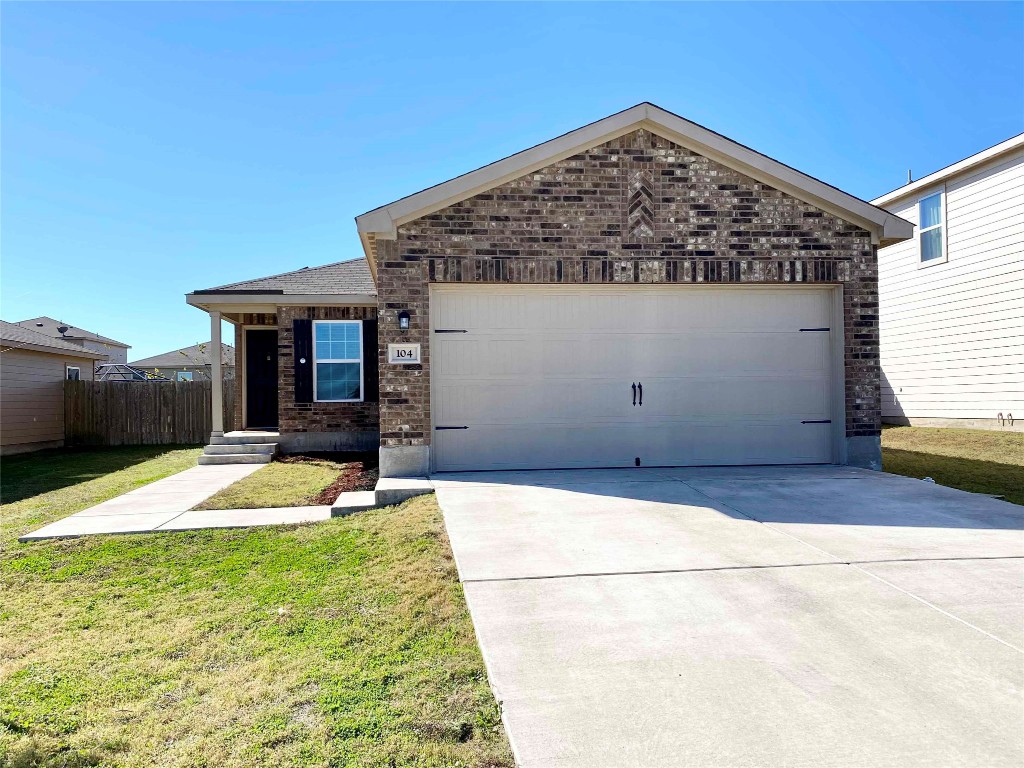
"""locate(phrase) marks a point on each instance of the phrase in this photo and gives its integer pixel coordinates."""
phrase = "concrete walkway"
(819, 616)
(164, 505)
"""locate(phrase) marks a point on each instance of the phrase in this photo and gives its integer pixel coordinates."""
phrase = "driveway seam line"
(937, 608)
(650, 573)
(856, 565)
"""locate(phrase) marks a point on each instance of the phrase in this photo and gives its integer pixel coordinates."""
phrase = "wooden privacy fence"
(142, 412)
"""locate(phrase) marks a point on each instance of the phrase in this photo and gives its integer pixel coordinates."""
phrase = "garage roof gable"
(382, 223)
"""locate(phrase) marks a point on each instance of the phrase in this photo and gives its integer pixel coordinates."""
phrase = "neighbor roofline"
(383, 222)
(111, 342)
(10, 345)
(1002, 148)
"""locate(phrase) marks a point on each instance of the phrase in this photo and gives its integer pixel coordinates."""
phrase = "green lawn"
(38, 488)
(345, 643)
(277, 485)
(976, 460)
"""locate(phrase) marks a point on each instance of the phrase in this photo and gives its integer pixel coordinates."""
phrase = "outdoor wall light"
(403, 320)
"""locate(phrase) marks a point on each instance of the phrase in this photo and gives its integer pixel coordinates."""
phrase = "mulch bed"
(358, 474)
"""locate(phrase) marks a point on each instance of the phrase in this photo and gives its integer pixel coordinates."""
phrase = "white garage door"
(529, 377)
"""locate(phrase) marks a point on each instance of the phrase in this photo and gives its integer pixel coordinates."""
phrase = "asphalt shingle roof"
(48, 327)
(15, 334)
(187, 356)
(351, 276)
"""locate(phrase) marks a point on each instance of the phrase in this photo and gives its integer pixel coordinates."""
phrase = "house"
(641, 291)
(951, 299)
(33, 368)
(113, 351)
(188, 363)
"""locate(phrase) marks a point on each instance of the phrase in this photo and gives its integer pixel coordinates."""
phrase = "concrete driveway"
(821, 616)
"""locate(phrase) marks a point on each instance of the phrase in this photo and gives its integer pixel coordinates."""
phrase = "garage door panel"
(725, 443)
(535, 446)
(628, 355)
(755, 397)
(504, 402)
(542, 377)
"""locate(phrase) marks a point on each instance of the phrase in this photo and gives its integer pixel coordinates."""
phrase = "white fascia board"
(384, 221)
(264, 302)
(949, 171)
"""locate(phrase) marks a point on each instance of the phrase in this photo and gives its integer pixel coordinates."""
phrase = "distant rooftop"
(196, 355)
(17, 336)
(48, 326)
(342, 277)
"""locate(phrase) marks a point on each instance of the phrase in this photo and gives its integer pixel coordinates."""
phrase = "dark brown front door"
(261, 379)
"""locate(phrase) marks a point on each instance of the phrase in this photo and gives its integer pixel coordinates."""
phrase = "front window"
(930, 227)
(338, 354)
(183, 376)
(74, 373)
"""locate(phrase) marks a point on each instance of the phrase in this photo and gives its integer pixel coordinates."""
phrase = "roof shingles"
(343, 277)
(16, 335)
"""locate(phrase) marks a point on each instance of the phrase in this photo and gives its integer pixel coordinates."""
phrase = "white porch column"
(217, 373)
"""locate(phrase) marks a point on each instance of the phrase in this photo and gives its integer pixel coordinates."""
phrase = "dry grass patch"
(295, 481)
(345, 643)
(977, 460)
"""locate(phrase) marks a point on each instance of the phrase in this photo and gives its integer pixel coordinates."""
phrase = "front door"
(261, 379)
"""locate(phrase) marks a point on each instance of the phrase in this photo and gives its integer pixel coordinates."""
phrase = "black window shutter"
(371, 373)
(302, 331)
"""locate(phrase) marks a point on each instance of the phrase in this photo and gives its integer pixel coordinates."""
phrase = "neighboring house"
(951, 299)
(33, 368)
(188, 363)
(640, 291)
(113, 351)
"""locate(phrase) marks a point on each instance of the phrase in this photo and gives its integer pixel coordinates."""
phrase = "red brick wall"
(318, 417)
(638, 209)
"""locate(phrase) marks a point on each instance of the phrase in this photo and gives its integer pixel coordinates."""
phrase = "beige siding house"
(951, 299)
(189, 363)
(33, 368)
(110, 350)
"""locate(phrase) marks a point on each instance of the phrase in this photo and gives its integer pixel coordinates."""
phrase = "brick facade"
(638, 209)
(317, 417)
(305, 417)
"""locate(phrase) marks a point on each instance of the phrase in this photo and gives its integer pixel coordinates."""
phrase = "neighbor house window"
(338, 356)
(74, 373)
(183, 376)
(930, 229)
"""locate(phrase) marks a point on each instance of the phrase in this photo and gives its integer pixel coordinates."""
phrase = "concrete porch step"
(220, 448)
(246, 438)
(236, 458)
(350, 502)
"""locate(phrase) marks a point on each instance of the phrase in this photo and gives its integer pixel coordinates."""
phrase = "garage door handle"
(634, 393)
(641, 388)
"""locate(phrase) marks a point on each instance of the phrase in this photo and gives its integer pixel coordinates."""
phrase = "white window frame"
(945, 229)
(179, 374)
(362, 368)
(68, 369)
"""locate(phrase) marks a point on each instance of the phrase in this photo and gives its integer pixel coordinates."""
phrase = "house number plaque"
(404, 354)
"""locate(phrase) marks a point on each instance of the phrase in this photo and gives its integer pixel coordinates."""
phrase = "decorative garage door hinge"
(817, 421)
(802, 330)
(447, 330)
(440, 428)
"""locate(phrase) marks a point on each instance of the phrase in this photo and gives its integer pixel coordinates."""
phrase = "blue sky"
(149, 149)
